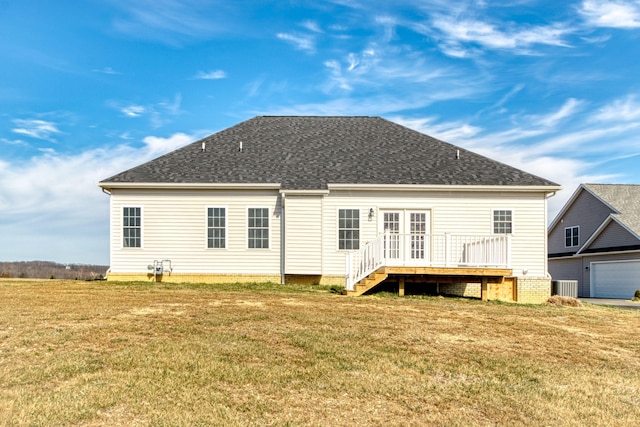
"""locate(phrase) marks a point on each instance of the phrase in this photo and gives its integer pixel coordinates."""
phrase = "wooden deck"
(482, 275)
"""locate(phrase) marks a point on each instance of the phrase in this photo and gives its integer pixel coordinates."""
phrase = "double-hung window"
(258, 230)
(571, 236)
(216, 228)
(502, 221)
(131, 227)
(348, 229)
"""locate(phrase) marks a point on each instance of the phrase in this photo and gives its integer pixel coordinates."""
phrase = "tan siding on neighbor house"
(614, 235)
(303, 227)
(174, 226)
(586, 211)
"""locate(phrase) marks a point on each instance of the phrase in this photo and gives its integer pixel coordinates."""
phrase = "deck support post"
(484, 289)
(401, 286)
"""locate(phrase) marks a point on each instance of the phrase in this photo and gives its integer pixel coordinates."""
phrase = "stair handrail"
(364, 261)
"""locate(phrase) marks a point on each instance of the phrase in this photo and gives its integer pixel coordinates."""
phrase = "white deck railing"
(428, 250)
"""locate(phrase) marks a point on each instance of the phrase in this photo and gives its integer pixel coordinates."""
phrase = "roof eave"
(548, 189)
(189, 185)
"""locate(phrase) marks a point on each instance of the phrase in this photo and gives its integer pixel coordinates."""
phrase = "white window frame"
(226, 225)
(572, 236)
(268, 228)
(122, 226)
(493, 221)
(338, 228)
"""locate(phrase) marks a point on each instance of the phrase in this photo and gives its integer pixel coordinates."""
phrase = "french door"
(408, 240)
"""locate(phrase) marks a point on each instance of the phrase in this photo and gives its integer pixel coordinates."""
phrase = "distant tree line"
(52, 270)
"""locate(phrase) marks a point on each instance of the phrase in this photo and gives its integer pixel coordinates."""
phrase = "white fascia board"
(304, 192)
(189, 185)
(458, 188)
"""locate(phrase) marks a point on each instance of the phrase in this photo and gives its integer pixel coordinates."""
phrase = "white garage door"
(615, 279)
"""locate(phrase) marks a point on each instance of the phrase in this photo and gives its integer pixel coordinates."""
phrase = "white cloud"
(311, 26)
(174, 22)
(626, 109)
(299, 41)
(107, 70)
(55, 197)
(211, 75)
(35, 128)
(12, 141)
(451, 132)
(156, 146)
(567, 110)
(133, 110)
(461, 37)
(611, 14)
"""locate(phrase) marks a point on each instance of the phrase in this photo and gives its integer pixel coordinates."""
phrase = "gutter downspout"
(282, 238)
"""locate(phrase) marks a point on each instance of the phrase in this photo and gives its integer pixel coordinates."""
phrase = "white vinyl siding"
(174, 228)
(468, 213)
(303, 225)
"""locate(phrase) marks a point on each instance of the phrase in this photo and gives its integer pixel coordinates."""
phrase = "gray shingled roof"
(625, 198)
(311, 152)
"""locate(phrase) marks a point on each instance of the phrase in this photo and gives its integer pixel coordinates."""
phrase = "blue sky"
(91, 88)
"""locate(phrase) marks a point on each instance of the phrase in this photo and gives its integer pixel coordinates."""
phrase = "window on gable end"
(571, 236)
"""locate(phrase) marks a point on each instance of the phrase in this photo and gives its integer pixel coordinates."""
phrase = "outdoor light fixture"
(372, 212)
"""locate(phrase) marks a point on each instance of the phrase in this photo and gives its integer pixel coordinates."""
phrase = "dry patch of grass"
(137, 354)
(563, 301)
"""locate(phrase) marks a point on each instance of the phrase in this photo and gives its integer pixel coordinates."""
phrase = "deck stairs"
(369, 282)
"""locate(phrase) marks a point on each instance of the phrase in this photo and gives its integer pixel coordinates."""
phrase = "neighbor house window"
(349, 229)
(571, 236)
(502, 222)
(131, 228)
(216, 228)
(258, 228)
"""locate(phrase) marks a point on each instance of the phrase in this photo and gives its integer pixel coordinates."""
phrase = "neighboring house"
(348, 201)
(595, 239)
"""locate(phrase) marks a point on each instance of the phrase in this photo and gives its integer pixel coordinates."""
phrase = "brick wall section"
(533, 290)
(325, 280)
(469, 290)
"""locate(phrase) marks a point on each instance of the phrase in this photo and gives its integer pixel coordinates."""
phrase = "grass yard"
(98, 353)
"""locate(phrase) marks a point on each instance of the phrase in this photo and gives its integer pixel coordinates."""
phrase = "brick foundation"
(469, 290)
(194, 278)
(533, 290)
(310, 279)
(297, 279)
